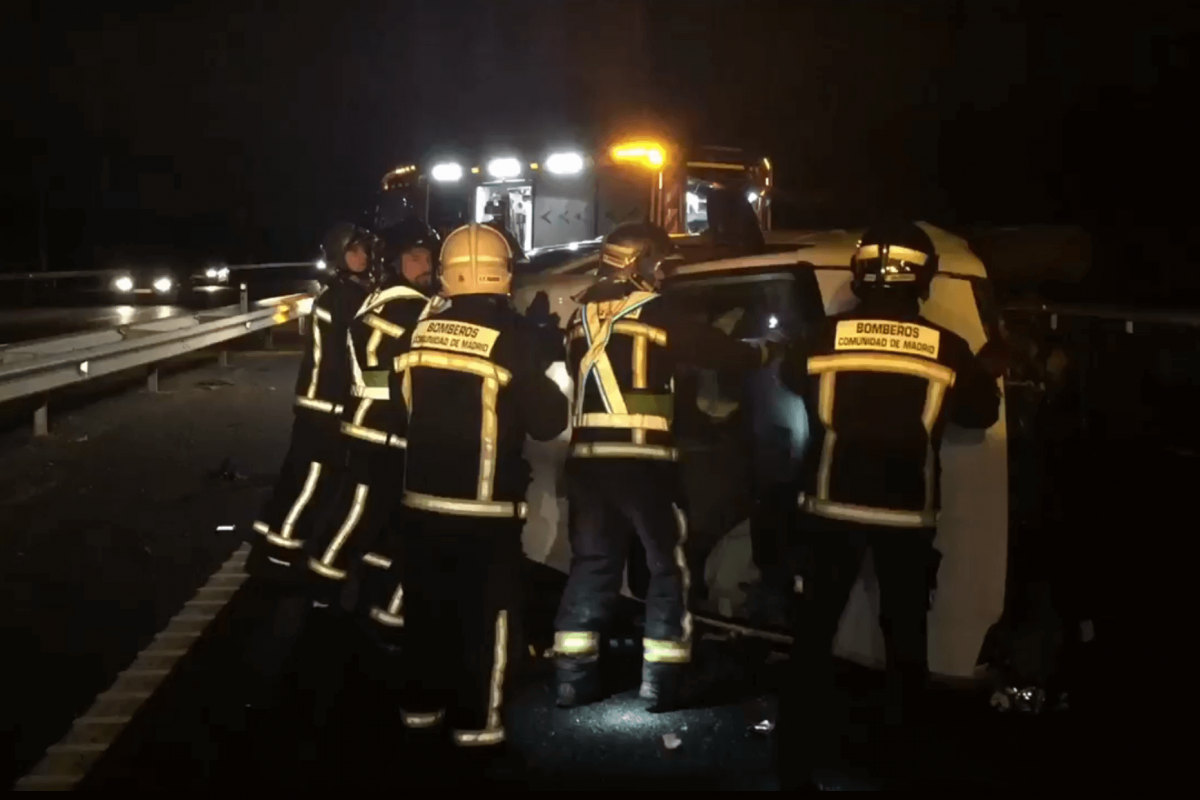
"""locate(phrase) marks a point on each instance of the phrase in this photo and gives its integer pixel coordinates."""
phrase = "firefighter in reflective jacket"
(880, 383)
(374, 423)
(623, 345)
(278, 557)
(474, 386)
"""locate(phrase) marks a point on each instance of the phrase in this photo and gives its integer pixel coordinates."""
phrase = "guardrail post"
(41, 418)
(152, 380)
(244, 300)
(302, 321)
(224, 358)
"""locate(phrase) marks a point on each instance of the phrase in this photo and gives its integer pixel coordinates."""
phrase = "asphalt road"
(21, 325)
(114, 524)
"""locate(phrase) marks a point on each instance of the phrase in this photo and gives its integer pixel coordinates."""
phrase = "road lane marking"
(68, 762)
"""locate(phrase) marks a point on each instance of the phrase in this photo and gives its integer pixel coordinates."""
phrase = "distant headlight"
(162, 285)
(321, 263)
(123, 284)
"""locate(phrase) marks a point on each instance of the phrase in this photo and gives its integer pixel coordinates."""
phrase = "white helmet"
(476, 259)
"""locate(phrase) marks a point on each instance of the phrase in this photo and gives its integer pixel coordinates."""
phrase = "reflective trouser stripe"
(642, 421)
(413, 719)
(373, 435)
(622, 450)
(848, 512)
(576, 643)
(324, 406)
(376, 560)
(284, 537)
(464, 508)
(494, 732)
(658, 651)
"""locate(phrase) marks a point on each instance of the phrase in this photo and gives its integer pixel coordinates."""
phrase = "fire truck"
(557, 198)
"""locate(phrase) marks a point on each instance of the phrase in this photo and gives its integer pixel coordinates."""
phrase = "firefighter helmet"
(896, 258)
(476, 259)
(635, 253)
(404, 236)
(340, 239)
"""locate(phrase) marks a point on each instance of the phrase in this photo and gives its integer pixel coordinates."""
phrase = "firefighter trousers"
(353, 516)
(830, 557)
(612, 501)
(461, 620)
(288, 615)
(307, 478)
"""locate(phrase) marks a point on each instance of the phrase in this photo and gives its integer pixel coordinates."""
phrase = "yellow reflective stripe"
(376, 560)
(874, 516)
(360, 413)
(413, 719)
(262, 527)
(881, 362)
(348, 525)
(374, 435)
(324, 406)
(494, 732)
(316, 367)
(681, 562)
(644, 421)
(287, 544)
(406, 390)
(371, 392)
(392, 616)
(376, 299)
(382, 326)
(478, 738)
(489, 431)
(825, 413)
(595, 363)
(641, 329)
(622, 450)
(657, 651)
(322, 314)
(934, 395)
(640, 345)
(466, 508)
(306, 493)
(432, 358)
(629, 328)
(576, 643)
(373, 347)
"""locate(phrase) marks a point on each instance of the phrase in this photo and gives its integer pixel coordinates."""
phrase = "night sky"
(241, 130)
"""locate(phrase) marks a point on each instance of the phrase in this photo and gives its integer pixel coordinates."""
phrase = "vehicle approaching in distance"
(557, 201)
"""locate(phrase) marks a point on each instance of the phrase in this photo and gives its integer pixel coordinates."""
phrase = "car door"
(737, 436)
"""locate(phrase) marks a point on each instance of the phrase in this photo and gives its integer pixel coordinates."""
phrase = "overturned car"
(789, 281)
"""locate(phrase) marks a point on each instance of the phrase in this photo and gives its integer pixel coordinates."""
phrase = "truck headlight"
(321, 264)
(565, 163)
(162, 285)
(446, 172)
(123, 284)
(502, 168)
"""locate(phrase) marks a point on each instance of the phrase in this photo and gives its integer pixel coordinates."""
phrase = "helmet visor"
(884, 264)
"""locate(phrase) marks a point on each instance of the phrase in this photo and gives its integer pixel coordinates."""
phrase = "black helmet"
(342, 237)
(896, 257)
(634, 253)
(403, 236)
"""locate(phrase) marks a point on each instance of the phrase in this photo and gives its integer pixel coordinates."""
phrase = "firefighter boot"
(661, 686)
(578, 680)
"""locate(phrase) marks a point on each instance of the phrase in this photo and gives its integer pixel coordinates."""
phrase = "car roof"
(828, 249)
(834, 248)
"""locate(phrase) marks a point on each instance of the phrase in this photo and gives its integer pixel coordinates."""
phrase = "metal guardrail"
(101, 273)
(32, 369)
(1129, 316)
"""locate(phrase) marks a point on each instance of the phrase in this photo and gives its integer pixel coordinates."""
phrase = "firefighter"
(624, 344)
(880, 382)
(278, 556)
(474, 384)
(373, 426)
